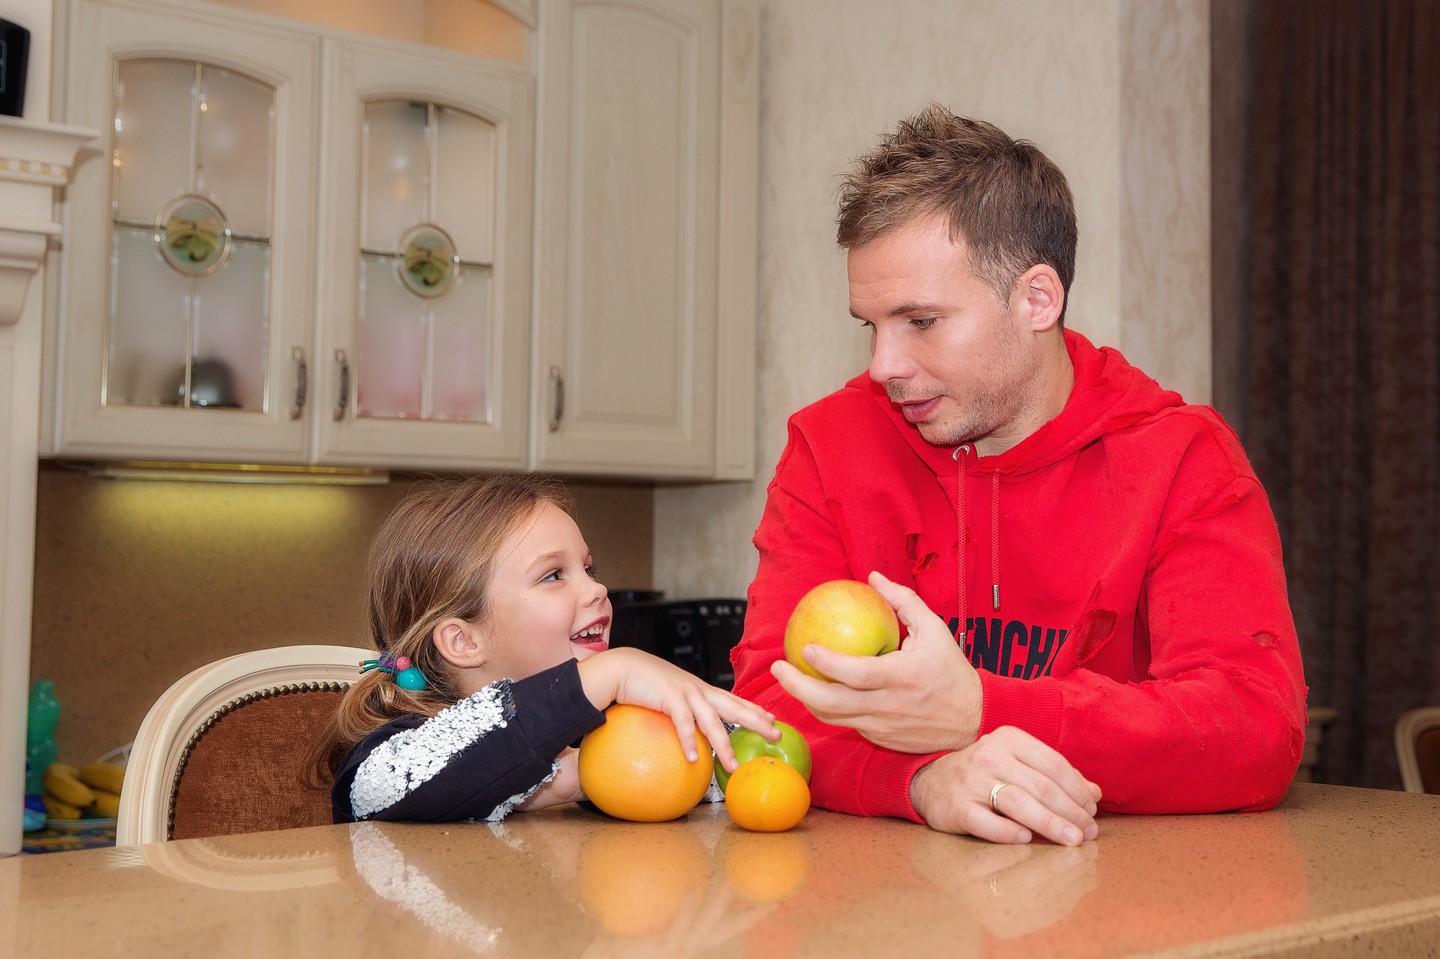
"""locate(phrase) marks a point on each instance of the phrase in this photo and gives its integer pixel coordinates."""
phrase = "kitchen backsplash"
(137, 582)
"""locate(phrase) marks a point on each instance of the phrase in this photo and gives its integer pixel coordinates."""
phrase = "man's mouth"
(592, 637)
(919, 410)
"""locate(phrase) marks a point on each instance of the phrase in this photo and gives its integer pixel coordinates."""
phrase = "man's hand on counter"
(1035, 791)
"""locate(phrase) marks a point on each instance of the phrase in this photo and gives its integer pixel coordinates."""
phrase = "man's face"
(958, 361)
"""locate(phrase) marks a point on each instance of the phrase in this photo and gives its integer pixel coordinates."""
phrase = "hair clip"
(406, 675)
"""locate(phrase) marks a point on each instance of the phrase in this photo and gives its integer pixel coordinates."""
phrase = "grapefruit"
(634, 768)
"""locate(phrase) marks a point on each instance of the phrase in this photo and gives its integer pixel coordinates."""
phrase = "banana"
(62, 782)
(106, 805)
(106, 776)
(56, 809)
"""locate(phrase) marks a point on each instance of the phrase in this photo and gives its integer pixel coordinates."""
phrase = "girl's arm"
(630, 676)
(477, 759)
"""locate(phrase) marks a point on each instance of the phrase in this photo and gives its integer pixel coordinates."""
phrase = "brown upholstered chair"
(1417, 746)
(224, 749)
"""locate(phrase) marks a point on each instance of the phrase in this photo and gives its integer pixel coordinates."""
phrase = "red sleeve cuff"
(885, 784)
(1032, 705)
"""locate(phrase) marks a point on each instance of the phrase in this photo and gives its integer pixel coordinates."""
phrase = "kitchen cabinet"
(422, 266)
(646, 231)
(296, 246)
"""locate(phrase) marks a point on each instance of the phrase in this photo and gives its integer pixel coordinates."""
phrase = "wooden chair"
(224, 749)
(1417, 746)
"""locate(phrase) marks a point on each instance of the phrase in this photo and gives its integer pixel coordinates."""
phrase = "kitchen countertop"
(1331, 871)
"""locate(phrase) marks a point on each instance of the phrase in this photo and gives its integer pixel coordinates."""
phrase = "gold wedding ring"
(994, 795)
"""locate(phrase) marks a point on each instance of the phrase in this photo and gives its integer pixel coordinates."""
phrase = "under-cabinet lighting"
(238, 473)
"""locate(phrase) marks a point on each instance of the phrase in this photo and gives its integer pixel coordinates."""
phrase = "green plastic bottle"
(40, 749)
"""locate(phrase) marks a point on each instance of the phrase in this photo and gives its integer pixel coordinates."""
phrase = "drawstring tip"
(995, 591)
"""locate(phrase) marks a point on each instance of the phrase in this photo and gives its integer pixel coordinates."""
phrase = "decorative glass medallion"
(428, 261)
(193, 235)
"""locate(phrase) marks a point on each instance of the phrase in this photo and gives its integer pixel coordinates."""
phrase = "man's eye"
(922, 322)
(867, 326)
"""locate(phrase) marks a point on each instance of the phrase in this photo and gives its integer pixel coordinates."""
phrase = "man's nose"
(887, 358)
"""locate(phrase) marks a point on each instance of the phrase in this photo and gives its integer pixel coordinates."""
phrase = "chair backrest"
(1417, 746)
(224, 749)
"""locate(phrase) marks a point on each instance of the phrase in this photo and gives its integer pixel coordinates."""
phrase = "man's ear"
(462, 644)
(1042, 297)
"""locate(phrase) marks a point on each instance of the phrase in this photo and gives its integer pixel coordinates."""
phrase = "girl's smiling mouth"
(592, 637)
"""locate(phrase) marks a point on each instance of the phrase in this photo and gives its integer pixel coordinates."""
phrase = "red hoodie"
(1124, 597)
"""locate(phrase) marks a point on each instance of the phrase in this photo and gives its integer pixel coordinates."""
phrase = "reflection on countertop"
(1332, 866)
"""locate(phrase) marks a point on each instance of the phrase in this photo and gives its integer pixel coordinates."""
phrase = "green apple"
(792, 749)
(844, 615)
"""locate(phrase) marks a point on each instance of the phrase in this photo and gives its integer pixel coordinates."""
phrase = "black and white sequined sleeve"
(474, 760)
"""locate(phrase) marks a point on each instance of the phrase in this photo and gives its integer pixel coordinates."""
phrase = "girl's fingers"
(684, 720)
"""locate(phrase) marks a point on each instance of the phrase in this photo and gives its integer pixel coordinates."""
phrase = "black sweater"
(474, 760)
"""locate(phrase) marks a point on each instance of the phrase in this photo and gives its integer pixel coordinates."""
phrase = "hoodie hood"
(1109, 395)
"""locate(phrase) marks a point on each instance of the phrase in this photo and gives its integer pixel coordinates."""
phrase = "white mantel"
(35, 158)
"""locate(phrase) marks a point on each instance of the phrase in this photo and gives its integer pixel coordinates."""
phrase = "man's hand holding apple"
(925, 697)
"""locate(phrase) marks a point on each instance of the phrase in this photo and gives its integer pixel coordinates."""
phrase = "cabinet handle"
(342, 402)
(557, 383)
(301, 382)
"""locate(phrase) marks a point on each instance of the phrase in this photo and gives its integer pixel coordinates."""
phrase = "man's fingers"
(909, 608)
(1016, 804)
(857, 672)
(1050, 766)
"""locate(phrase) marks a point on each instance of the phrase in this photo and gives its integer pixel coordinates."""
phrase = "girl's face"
(545, 605)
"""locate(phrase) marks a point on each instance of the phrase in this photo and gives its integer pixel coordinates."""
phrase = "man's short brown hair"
(1006, 199)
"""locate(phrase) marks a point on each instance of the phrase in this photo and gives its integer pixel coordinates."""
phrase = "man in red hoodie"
(1087, 568)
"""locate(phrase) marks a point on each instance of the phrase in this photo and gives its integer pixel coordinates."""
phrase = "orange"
(844, 615)
(764, 867)
(635, 879)
(633, 767)
(767, 795)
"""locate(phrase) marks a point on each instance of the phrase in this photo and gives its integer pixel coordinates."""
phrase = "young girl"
(492, 638)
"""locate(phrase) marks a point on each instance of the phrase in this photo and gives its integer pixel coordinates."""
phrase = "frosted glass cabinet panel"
(434, 295)
(191, 141)
(414, 197)
(186, 322)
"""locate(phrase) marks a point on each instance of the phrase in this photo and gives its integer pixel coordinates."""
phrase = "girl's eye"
(550, 577)
(590, 570)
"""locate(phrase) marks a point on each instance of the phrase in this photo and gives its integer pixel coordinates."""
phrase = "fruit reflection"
(635, 879)
(764, 867)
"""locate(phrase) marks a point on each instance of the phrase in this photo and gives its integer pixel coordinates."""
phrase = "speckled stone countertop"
(1332, 871)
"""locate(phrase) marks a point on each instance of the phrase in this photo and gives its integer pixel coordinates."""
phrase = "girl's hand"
(564, 788)
(630, 676)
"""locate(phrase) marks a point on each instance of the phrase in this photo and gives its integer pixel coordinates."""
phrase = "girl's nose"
(599, 591)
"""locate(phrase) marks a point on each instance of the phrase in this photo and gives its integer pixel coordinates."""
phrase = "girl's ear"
(461, 644)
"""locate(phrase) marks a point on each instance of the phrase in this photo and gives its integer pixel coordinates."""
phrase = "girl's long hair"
(432, 559)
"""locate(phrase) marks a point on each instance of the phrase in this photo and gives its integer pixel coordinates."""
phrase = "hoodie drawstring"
(995, 537)
(964, 559)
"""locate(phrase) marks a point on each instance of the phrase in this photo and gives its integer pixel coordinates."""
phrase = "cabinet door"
(185, 313)
(427, 209)
(625, 374)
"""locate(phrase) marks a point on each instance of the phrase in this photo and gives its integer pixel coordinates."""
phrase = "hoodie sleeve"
(801, 546)
(1215, 720)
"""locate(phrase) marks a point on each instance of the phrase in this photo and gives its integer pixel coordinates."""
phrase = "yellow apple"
(845, 616)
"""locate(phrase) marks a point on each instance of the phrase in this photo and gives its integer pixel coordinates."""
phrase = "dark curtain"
(1343, 374)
